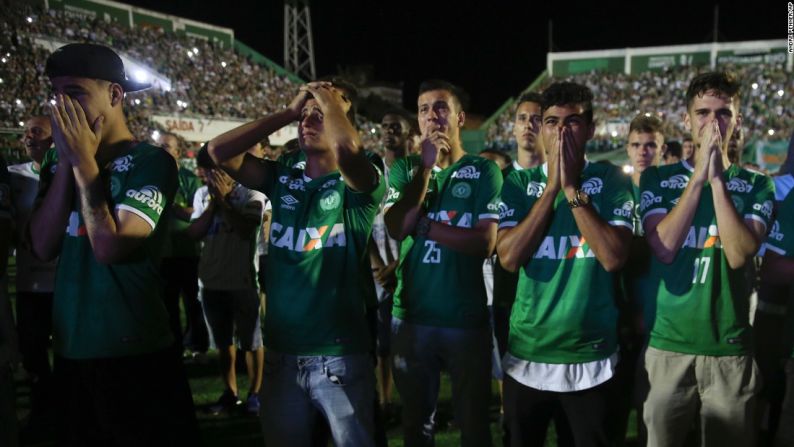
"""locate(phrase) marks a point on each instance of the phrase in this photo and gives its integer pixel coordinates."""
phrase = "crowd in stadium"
(590, 293)
(620, 97)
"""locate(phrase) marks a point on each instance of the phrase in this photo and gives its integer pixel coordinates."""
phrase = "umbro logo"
(289, 200)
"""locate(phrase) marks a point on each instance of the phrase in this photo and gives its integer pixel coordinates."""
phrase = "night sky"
(490, 49)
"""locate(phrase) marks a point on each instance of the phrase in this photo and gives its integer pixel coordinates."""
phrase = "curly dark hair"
(564, 93)
(721, 82)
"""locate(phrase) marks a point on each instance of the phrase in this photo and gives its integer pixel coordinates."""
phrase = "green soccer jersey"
(114, 310)
(504, 282)
(781, 241)
(438, 286)
(565, 304)
(702, 304)
(319, 278)
(182, 245)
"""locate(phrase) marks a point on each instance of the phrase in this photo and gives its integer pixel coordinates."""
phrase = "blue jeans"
(419, 355)
(298, 389)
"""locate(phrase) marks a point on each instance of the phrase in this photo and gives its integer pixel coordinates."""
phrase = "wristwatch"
(580, 199)
(422, 226)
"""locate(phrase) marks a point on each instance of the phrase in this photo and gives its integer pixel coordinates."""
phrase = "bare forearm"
(201, 226)
(738, 242)
(478, 242)
(516, 245)
(374, 255)
(228, 149)
(668, 236)
(401, 217)
(609, 244)
(49, 220)
(100, 225)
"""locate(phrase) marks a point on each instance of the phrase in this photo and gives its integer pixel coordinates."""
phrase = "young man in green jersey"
(704, 219)
(442, 206)
(566, 227)
(774, 317)
(101, 200)
(644, 146)
(180, 260)
(319, 285)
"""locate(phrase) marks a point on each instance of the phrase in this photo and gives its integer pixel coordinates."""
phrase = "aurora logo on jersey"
(764, 208)
(307, 239)
(149, 195)
(464, 220)
(702, 237)
(292, 183)
(593, 186)
(625, 210)
(535, 189)
(563, 247)
(678, 181)
(504, 211)
(122, 164)
(647, 199)
(466, 172)
(738, 185)
(775, 232)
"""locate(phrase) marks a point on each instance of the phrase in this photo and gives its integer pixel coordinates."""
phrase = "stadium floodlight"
(189, 53)
(1, 80)
(141, 75)
(755, 86)
(137, 101)
(4, 60)
(614, 133)
(179, 102)
(780, 92)
(29, 19)
(223, 64)
(19, 102)
(771, 132)
(156, 135)
(21, 124)
(647, 114)
(195, 50)
(52, 101)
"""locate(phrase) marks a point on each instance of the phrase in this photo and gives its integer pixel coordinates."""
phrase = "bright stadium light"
(771, 132)
(195, 50)
(19, 102)
(179, 102)
(141, 75)
(223, 64)
(755, 86)
(29, 19)
(189, 53)
(614, 133)
(52, 101)
(21, 124)
(156, 135)
(780, 92)
(137, 101)
(1, 80)
(4, 60)
(647, 114)
(373, 130)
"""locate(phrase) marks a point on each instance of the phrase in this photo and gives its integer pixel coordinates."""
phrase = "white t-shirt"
(227, 258)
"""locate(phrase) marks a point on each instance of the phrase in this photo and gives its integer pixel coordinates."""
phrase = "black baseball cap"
(88, 60)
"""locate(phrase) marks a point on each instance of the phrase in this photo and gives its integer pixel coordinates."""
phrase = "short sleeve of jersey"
(515, 203)
(619, 201)
(398, 178)
(763, 196)
(5, 190)
(149, 187)
(489, 190)
(781, 236)
(652, 199)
